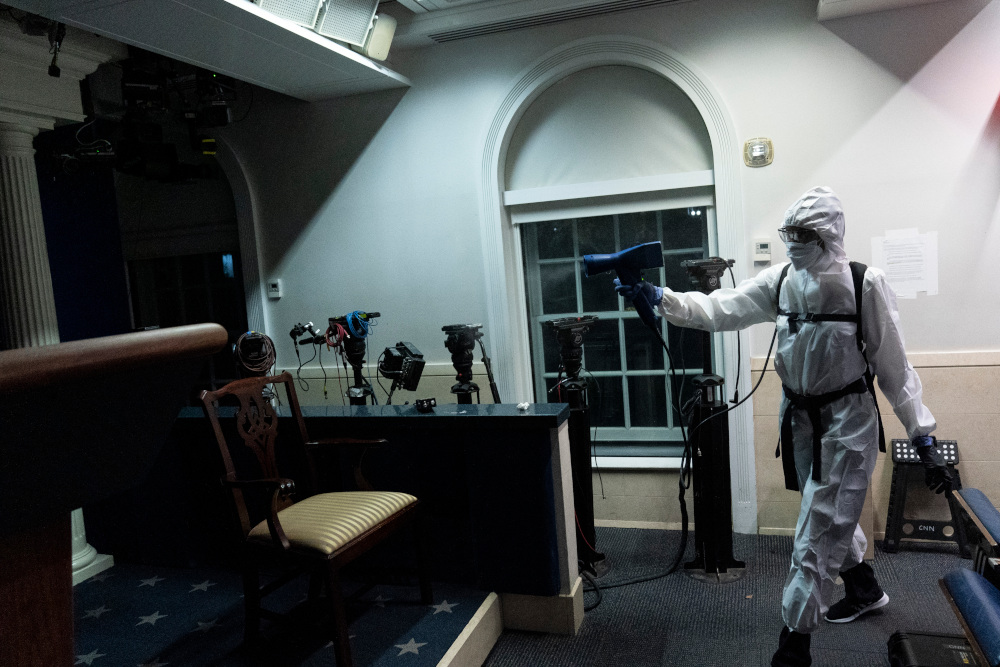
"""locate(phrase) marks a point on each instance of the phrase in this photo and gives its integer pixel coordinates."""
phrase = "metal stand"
(906, 468)
(354, 352)
(569, 333)
(713, 506)
(461, 342)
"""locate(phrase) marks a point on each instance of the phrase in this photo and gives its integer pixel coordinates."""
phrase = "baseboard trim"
(473, 645)
(555, 614)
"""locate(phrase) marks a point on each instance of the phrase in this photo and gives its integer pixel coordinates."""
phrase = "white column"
(31, 101)
(27, 306)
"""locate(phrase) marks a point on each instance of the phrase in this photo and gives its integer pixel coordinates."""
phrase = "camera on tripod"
(403, 364)
(706, 274)
(462, 337)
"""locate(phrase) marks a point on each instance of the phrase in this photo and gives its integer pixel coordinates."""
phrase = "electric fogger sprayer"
(628, 264)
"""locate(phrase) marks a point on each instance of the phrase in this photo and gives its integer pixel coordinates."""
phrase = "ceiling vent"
(545, 18)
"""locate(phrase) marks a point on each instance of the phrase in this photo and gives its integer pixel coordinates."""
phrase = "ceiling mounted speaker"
(347, 20)
(376, 46)
(303, 12)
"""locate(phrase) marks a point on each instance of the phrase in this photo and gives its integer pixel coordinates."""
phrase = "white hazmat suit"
(821, 358)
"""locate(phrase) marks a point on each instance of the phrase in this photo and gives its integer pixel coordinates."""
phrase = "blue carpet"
(154, 616)
(678, 621)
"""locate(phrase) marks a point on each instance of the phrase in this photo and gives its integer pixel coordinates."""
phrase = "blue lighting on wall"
(227, 266)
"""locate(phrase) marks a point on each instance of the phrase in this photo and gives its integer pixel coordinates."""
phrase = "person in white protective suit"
(823, 372)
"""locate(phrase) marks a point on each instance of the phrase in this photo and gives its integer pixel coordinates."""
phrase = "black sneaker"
(847, 610)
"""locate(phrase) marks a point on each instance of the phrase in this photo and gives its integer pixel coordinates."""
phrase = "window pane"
(558, 287)
(599, 293)
(600, 347)
(647, 400)
(683, 384)
(677, 275)
(597, 234)
(643, 352)
(604, 395)
(551, 347)
(685, 346)
(684, 228)
(555, 239)
(638, 228)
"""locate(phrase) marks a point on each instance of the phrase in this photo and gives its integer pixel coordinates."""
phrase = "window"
(631, 388)
(190, 289)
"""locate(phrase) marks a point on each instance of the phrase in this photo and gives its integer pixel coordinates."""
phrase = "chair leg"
(423, 564)
(341, 641)
(251, 604)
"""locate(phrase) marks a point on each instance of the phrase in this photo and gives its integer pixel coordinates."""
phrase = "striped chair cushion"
(328, 521)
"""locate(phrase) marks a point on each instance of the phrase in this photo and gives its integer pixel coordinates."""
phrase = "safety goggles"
(797, 235)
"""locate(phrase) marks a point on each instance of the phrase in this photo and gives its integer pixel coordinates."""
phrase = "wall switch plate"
(274, 288)
(762, 251)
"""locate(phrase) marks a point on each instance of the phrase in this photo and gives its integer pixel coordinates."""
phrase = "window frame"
(643, 445)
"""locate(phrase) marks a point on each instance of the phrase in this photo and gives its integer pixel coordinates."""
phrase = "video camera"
(706, 274)
(403, 364)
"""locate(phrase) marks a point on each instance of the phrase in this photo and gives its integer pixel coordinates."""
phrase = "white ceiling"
(237, 38)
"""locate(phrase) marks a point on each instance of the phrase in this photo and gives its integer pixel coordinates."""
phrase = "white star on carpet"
(203, 586)
(156, 663)
(205, 626)
(152, 618)
(410, 647)
(444, 606)
(89, 658)
(102, 576)
(152, 581)
(96, 613)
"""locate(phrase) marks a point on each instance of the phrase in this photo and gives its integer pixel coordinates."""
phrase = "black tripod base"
(733, 571)
(597, 567)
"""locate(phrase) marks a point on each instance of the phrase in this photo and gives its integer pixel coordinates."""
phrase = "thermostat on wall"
(758, 152)
(762, 251)
(274, 288)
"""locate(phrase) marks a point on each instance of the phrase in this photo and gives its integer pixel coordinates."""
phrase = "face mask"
(803, 255)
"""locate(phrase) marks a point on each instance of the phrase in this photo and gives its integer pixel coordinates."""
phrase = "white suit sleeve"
(887, 355)
(726, 309)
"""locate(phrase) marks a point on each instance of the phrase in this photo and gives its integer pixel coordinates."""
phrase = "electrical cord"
(259, 362)
(739, 352)
(684, 482)
(745, 398)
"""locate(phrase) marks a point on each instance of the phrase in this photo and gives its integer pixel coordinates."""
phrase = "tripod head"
(569, 332)
(706, 274)
(461, 342)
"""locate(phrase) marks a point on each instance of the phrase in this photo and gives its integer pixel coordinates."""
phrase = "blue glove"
(653, 293)
(936, 472)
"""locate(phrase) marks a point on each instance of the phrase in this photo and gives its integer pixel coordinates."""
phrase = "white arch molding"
(246, 225)
(501, 243)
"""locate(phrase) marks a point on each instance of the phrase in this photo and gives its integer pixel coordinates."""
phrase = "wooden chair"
(321, 532)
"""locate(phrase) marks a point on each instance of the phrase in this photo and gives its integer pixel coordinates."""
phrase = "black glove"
(936, 472)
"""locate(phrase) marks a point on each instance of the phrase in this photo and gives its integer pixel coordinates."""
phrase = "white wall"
(371, 202)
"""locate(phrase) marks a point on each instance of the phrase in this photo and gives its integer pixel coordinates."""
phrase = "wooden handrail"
(33, 367)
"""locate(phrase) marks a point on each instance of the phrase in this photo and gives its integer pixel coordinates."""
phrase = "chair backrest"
(256, 425)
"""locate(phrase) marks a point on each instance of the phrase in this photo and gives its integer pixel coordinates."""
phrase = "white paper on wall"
(910, 261)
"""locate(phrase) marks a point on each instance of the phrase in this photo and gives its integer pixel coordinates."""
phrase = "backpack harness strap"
(812, 404)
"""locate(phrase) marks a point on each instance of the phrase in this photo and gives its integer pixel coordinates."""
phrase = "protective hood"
(819, 209)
